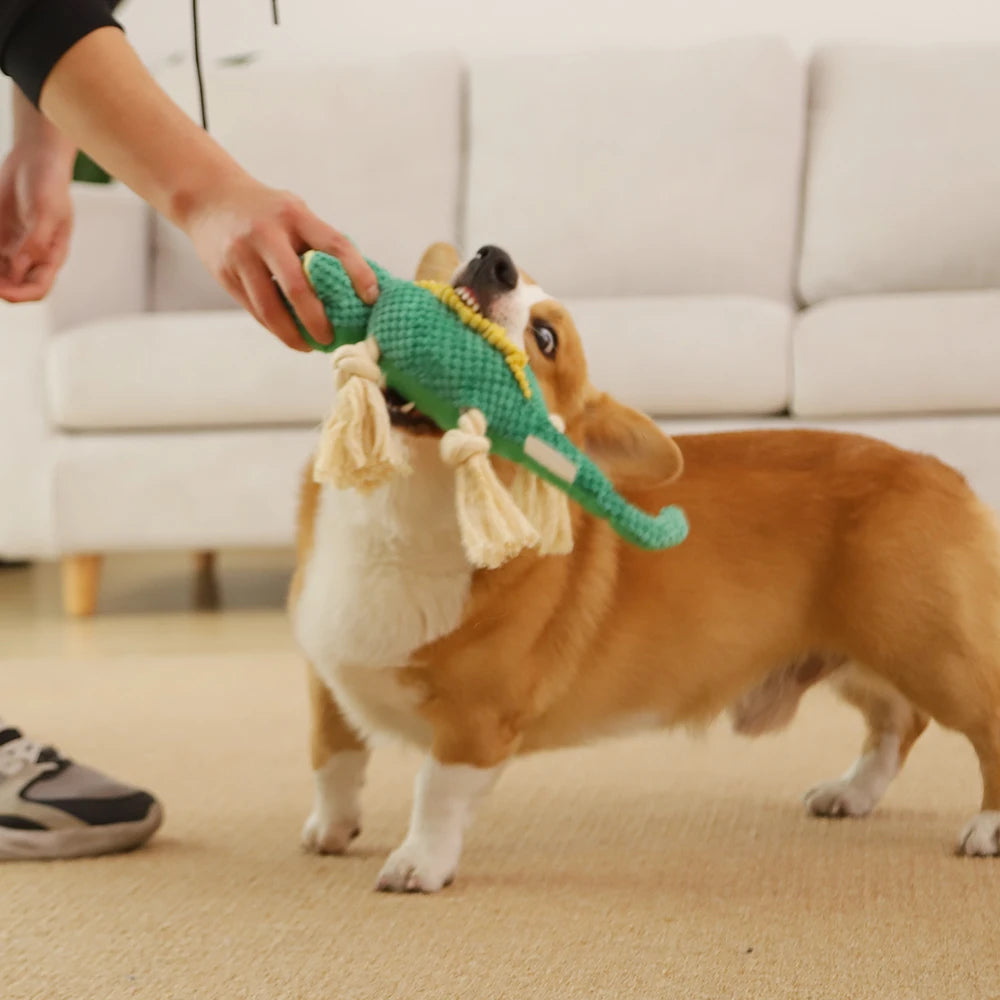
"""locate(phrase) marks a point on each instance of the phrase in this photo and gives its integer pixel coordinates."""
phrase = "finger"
(266, 304)
(18, 267)
(319, 236)
(231, 282)
(234, 285)
(43, 276)
(284, 263)
(31, 286)
(39, 247)
(21, 291)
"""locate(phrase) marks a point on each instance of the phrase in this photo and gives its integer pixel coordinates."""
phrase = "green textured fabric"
(431, 357)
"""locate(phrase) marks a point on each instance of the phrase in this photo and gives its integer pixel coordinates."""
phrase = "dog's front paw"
(981, 837)
(839, 798)
(414, 867)
(326, 835)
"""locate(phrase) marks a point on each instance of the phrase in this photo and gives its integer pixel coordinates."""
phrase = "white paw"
(325, 835)
(981, 836)
(414, 868)
(839, 798)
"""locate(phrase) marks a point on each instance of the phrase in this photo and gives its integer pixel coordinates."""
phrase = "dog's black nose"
(488, 275)
(496, 265)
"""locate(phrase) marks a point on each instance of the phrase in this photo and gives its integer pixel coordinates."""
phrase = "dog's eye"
(546, 339)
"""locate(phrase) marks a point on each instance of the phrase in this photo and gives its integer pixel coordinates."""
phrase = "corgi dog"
(812, 557)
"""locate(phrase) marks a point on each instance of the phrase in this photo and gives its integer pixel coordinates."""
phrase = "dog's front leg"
(445, 798)
(338, 759)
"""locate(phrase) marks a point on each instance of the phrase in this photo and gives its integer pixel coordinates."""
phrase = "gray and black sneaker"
(51, 807)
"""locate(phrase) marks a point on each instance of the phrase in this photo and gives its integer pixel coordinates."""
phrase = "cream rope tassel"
(545, 506)
(493, 529)
(357, 448)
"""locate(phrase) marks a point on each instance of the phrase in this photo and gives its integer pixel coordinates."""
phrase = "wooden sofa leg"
(204, 563)
(206, 583)
(81, 582)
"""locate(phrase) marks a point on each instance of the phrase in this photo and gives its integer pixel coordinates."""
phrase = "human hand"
(36, 216)
(250, 236)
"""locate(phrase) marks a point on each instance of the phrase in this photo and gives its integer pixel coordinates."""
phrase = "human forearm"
(101, 97)
(248, 235)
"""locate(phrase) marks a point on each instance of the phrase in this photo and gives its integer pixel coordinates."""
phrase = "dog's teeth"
(468, 298)
(409, 408)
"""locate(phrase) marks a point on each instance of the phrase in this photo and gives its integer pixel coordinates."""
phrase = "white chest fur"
(387, 575)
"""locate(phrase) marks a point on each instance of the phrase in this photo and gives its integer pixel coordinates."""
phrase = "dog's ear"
(439, 262)
(627, 445)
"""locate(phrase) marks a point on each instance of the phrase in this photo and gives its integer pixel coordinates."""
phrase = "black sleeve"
(36, 34)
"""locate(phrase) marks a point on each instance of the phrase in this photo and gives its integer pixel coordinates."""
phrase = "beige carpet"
(658, 867)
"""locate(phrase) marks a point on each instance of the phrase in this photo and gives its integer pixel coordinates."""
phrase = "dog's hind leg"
(894, 725)
(338, 759)
(981, 836)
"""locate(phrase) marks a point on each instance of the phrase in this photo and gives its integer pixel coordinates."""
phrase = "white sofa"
(744, 239)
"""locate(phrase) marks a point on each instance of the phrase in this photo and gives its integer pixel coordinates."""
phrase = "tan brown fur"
(799, 542)
(802, 543)
(305, 533)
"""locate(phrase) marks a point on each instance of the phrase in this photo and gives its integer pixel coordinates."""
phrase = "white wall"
(347, 27)
(161, 29)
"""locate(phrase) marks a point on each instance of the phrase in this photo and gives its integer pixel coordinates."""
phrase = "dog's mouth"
(404, 414)
(490, 285)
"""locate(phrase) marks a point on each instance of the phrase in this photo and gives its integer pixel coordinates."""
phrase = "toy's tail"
(357, 444)
(553, 457)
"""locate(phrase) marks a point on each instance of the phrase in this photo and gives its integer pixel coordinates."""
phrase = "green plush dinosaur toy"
(462, 371)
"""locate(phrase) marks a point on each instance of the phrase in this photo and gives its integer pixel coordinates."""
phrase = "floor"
(152, 604)
(658, 866)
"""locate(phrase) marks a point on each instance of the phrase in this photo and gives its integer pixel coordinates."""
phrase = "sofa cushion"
(374, 149)
(903, 178)
(898, 354)
(664, 355)
(163, 370)
(724, 355)
(212, 490)
(641, 173)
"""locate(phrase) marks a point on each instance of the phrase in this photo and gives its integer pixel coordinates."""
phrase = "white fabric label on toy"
(547, 457)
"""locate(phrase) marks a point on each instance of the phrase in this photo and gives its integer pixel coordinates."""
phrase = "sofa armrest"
(105, 274)
(108, 267)
(27, 443)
